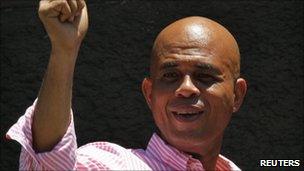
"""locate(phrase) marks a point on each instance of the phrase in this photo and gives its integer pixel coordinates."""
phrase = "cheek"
(221, 94)
(161, 93)
(220, 98)
(159, 102)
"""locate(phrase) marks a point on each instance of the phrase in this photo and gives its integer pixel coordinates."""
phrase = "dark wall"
(114, 58)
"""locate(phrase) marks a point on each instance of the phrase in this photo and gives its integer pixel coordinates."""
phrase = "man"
(193, 89)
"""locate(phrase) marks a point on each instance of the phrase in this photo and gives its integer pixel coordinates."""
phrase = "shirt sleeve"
(61, 157)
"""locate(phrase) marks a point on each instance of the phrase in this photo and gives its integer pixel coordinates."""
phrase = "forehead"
(193, 48)
(181, 55)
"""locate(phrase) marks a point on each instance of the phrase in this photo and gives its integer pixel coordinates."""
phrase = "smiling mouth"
(187, 116)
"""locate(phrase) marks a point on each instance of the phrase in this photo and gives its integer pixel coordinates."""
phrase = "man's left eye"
(204, 77)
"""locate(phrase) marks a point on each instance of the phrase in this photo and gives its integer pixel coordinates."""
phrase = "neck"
(209, 153)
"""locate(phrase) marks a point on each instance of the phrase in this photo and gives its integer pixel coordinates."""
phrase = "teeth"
(187, 113)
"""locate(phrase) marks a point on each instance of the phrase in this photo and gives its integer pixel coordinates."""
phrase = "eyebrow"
(206, 67)
(168, 65)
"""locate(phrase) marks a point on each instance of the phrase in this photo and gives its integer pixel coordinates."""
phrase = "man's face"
(192, 96)
(192, 90)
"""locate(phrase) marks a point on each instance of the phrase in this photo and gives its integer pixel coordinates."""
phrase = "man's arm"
(66, 23)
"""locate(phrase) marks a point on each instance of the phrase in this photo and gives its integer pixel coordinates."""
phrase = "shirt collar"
(174, 158)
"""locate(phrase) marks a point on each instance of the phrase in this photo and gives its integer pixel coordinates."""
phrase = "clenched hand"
(66, 21)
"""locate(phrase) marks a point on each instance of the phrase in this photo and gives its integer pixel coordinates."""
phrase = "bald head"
(197, 36)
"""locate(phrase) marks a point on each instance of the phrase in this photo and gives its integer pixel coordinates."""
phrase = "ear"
(240, 90)
(146, 88)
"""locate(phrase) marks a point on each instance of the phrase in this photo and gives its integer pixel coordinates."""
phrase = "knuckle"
(61, 2)
(81, 6)
(42, 11)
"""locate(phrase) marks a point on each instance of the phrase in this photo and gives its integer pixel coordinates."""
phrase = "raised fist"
(66, 21)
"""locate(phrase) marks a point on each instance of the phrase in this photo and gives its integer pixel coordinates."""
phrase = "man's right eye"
(170, 76)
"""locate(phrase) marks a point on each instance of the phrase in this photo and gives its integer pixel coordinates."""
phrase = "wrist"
(71, 51)
(65, 55)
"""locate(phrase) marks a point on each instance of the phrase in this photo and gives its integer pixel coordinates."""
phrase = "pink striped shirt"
(102, 155)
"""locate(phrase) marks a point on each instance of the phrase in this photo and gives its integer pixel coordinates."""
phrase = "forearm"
(52, 112)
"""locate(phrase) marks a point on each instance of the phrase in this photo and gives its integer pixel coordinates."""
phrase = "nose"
(187, 88)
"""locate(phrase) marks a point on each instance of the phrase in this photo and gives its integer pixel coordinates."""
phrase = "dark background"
(114, 58)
